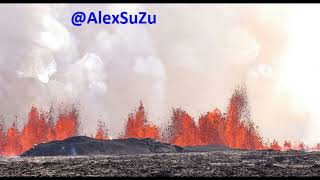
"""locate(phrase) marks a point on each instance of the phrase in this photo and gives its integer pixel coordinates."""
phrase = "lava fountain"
(38, 129)
(235, 129)
(137, 125)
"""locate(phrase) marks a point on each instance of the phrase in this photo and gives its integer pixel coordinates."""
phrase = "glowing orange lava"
(67, 125)
(287, 145)
(101, 131)
(234, 129)
(211, 128)
(275, 146)
(137, 126)
(183, 130)
(12, 145)
(38, 129)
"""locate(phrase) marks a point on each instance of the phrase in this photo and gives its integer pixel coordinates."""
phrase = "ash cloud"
(193, 58)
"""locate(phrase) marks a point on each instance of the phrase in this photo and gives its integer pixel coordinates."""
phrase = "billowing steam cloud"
(193, 57)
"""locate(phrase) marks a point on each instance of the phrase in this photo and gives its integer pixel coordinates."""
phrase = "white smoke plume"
(192, 58)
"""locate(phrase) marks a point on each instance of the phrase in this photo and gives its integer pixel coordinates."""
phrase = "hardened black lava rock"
(84, 156)
(215, 163)
(82, 145)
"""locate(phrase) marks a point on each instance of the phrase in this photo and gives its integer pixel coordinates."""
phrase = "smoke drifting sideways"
(192, 58)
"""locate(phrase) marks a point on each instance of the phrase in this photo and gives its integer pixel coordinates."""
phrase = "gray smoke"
(192, 58)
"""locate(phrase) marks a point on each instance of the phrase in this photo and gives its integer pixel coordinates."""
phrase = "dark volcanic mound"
(82, 145)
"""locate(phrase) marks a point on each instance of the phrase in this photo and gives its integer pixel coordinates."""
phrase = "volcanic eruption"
(101, 131)
(39, 129)
(235, 129)
(137, 126)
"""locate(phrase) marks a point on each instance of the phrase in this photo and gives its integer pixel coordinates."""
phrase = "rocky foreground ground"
(216, 163)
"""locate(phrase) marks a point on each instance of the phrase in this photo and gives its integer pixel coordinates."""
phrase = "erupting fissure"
(235, 129)
(101, 131)
(137, 126)
(38, 129)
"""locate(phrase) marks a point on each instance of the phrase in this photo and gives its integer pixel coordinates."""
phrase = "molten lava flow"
(67, 124)
(183, 130)
(236, 130)
(300, 146)
(12, 145)
(51, 134)
(211, 128)
(316, 148)
(275, 146)
(151, 131)
(38, 129)
(240, 132)
(137, 128)
(287, 145)
(101, 131)
(34, 131)
(252, 138)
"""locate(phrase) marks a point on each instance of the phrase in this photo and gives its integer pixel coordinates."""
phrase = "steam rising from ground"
(193, 58)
